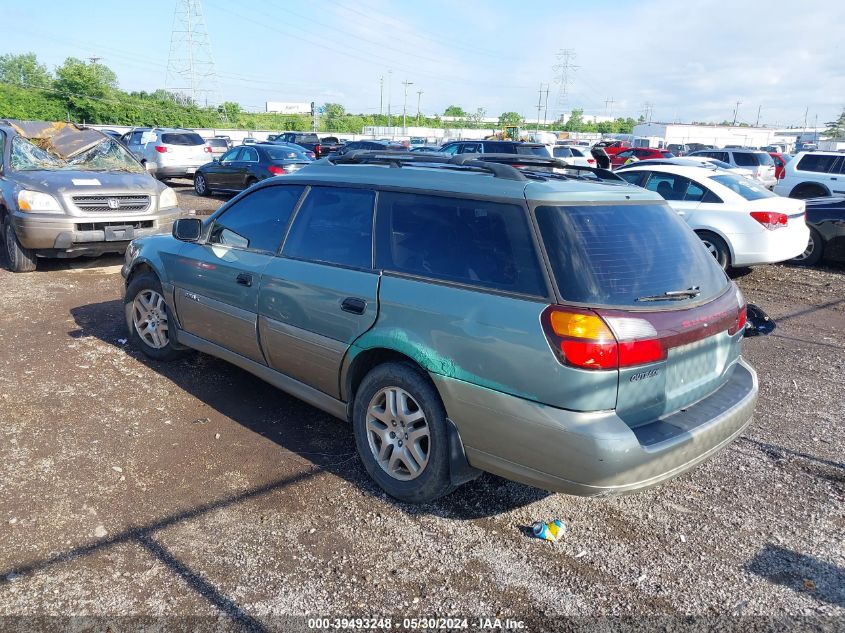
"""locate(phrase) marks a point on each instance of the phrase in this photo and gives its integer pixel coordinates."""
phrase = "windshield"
(745, 187)
(612, 255)
(107, 155)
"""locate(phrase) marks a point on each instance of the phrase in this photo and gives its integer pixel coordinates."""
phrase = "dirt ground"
(135, 488)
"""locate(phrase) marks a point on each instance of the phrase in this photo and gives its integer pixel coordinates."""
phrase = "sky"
(691, 60)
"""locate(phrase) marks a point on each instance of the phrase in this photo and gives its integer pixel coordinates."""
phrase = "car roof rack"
(547, 162)
(508, 166)
(398, 158)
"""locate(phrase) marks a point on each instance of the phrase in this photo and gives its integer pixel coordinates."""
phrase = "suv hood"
(74, 182)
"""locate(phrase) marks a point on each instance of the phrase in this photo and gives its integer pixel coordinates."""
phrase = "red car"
(640, 153)
(613, 147)
(780, 164)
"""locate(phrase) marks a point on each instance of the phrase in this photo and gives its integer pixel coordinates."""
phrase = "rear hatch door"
(186, 148)
(619, 261)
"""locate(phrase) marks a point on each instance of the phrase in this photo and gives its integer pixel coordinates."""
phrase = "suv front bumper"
(69, 236)
(593, 453)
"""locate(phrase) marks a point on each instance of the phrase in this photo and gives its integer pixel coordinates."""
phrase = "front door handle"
(353, 305)
(245, 279)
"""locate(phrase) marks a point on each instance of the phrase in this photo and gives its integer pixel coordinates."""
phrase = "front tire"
(814, 251)
(717, 248)
(399, 423)
(201, 185)
(21, 260)
(148, 318)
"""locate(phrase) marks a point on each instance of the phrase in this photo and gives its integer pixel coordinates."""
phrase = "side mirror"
(187, 229)
(216, 159)
(758, 323)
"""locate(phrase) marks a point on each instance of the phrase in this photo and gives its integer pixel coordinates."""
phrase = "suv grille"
(110, 204)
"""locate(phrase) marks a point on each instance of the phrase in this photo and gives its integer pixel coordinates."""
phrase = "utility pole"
(736, 112)
(757, 122)
(389, 81)
(647, 111)
(94, 59)
(806, 110)
(539, 107)
(381, 96)
(419, 96)
(610, 102)
(816, 130)
(405, 83)
(546, 106)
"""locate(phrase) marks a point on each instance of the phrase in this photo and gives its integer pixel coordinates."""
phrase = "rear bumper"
(769, 247)
(68, 236)
(176, 171)
(594, 453)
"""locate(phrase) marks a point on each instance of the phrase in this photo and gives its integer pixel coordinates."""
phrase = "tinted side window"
(479, 243)
(450, 149)
(668, 186)
(231, 155)
(699, 193)
(249, 154)
(634, 177)
(743, 159)
(136, 137)
(257, 221)
(816, 162)
(334, 225)
(470, 148)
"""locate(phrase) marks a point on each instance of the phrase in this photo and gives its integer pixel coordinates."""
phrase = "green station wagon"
(556, 328)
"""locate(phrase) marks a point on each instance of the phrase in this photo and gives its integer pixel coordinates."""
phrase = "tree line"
(88, 92)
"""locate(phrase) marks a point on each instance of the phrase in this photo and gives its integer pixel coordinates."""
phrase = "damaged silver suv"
(67, 191)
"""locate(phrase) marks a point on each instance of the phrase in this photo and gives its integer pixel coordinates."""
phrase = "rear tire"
(21, 260)
(717, 248)
(807, 191)
(399, 423)
(148, 318)
(814, 252)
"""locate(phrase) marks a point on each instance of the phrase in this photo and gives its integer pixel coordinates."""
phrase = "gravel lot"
(129, 487)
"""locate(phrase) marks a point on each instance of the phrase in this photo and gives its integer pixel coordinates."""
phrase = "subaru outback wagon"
(568, 332)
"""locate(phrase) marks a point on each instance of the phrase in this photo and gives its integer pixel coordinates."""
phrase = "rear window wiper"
(673, 295)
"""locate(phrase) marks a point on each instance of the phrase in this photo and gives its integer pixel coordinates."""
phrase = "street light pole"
(389, 78)
(405, 83)
(419, 95)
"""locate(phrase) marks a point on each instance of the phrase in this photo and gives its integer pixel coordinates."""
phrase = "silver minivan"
(168, 152)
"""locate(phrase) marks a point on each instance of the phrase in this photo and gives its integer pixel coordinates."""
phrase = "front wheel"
(400, 431)
(201, 185)
(813, 253)
(21, 259)
(148, 318)
(717, 248)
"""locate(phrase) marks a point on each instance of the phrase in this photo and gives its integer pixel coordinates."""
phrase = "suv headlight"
(38, 202)
(167, 198)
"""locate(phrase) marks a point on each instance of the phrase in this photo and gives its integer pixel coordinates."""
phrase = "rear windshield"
(182, 138)
(745, 187)
(667, 154)
(532, 150)
(614, 254)
(307, 138)
(752, 159)
(282, 153)
(562, 152)
(217, 142)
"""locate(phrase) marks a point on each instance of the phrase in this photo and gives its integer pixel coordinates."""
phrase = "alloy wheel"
(149, 316)
(811, 246)
(199, 184)
(398, 434)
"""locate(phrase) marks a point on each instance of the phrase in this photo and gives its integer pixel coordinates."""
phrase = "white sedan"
(740, 222)
(574, 155)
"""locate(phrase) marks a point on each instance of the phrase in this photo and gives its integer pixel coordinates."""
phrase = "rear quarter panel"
(490, 340)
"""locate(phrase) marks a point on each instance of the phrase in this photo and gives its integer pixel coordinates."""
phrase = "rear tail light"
(591, 161)
(162, 149)
(317, 148)
(208, 149)
(770, 219)
(277, 170)
(583, 339)
(311, 155)
(742, 315)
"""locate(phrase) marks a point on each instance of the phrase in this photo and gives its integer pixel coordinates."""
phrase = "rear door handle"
(353, 305)
(245, 279)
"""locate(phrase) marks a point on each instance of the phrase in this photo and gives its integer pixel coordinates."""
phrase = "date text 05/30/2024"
(413, 624)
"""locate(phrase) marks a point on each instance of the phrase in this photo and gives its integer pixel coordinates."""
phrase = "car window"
(334, 225)
(562, 152)
(532, 150)
(626, 154)
(450, 149)
(232, 154)
(256, 221)
(745, 159)
(745, 187)
(182, 138)
(249, 154)
(136, 137)
(668, 186)
(841, 168)
(699, 193)
(474, 242)
(816, 162)
(634, 177)
(597, 256)
(470, 148)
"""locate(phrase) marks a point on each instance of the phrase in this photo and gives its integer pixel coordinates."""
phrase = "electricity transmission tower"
(190, 64)
(564, 69)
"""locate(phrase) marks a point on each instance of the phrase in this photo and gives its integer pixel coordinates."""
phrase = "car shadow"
(292, 424)
(801, 573)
